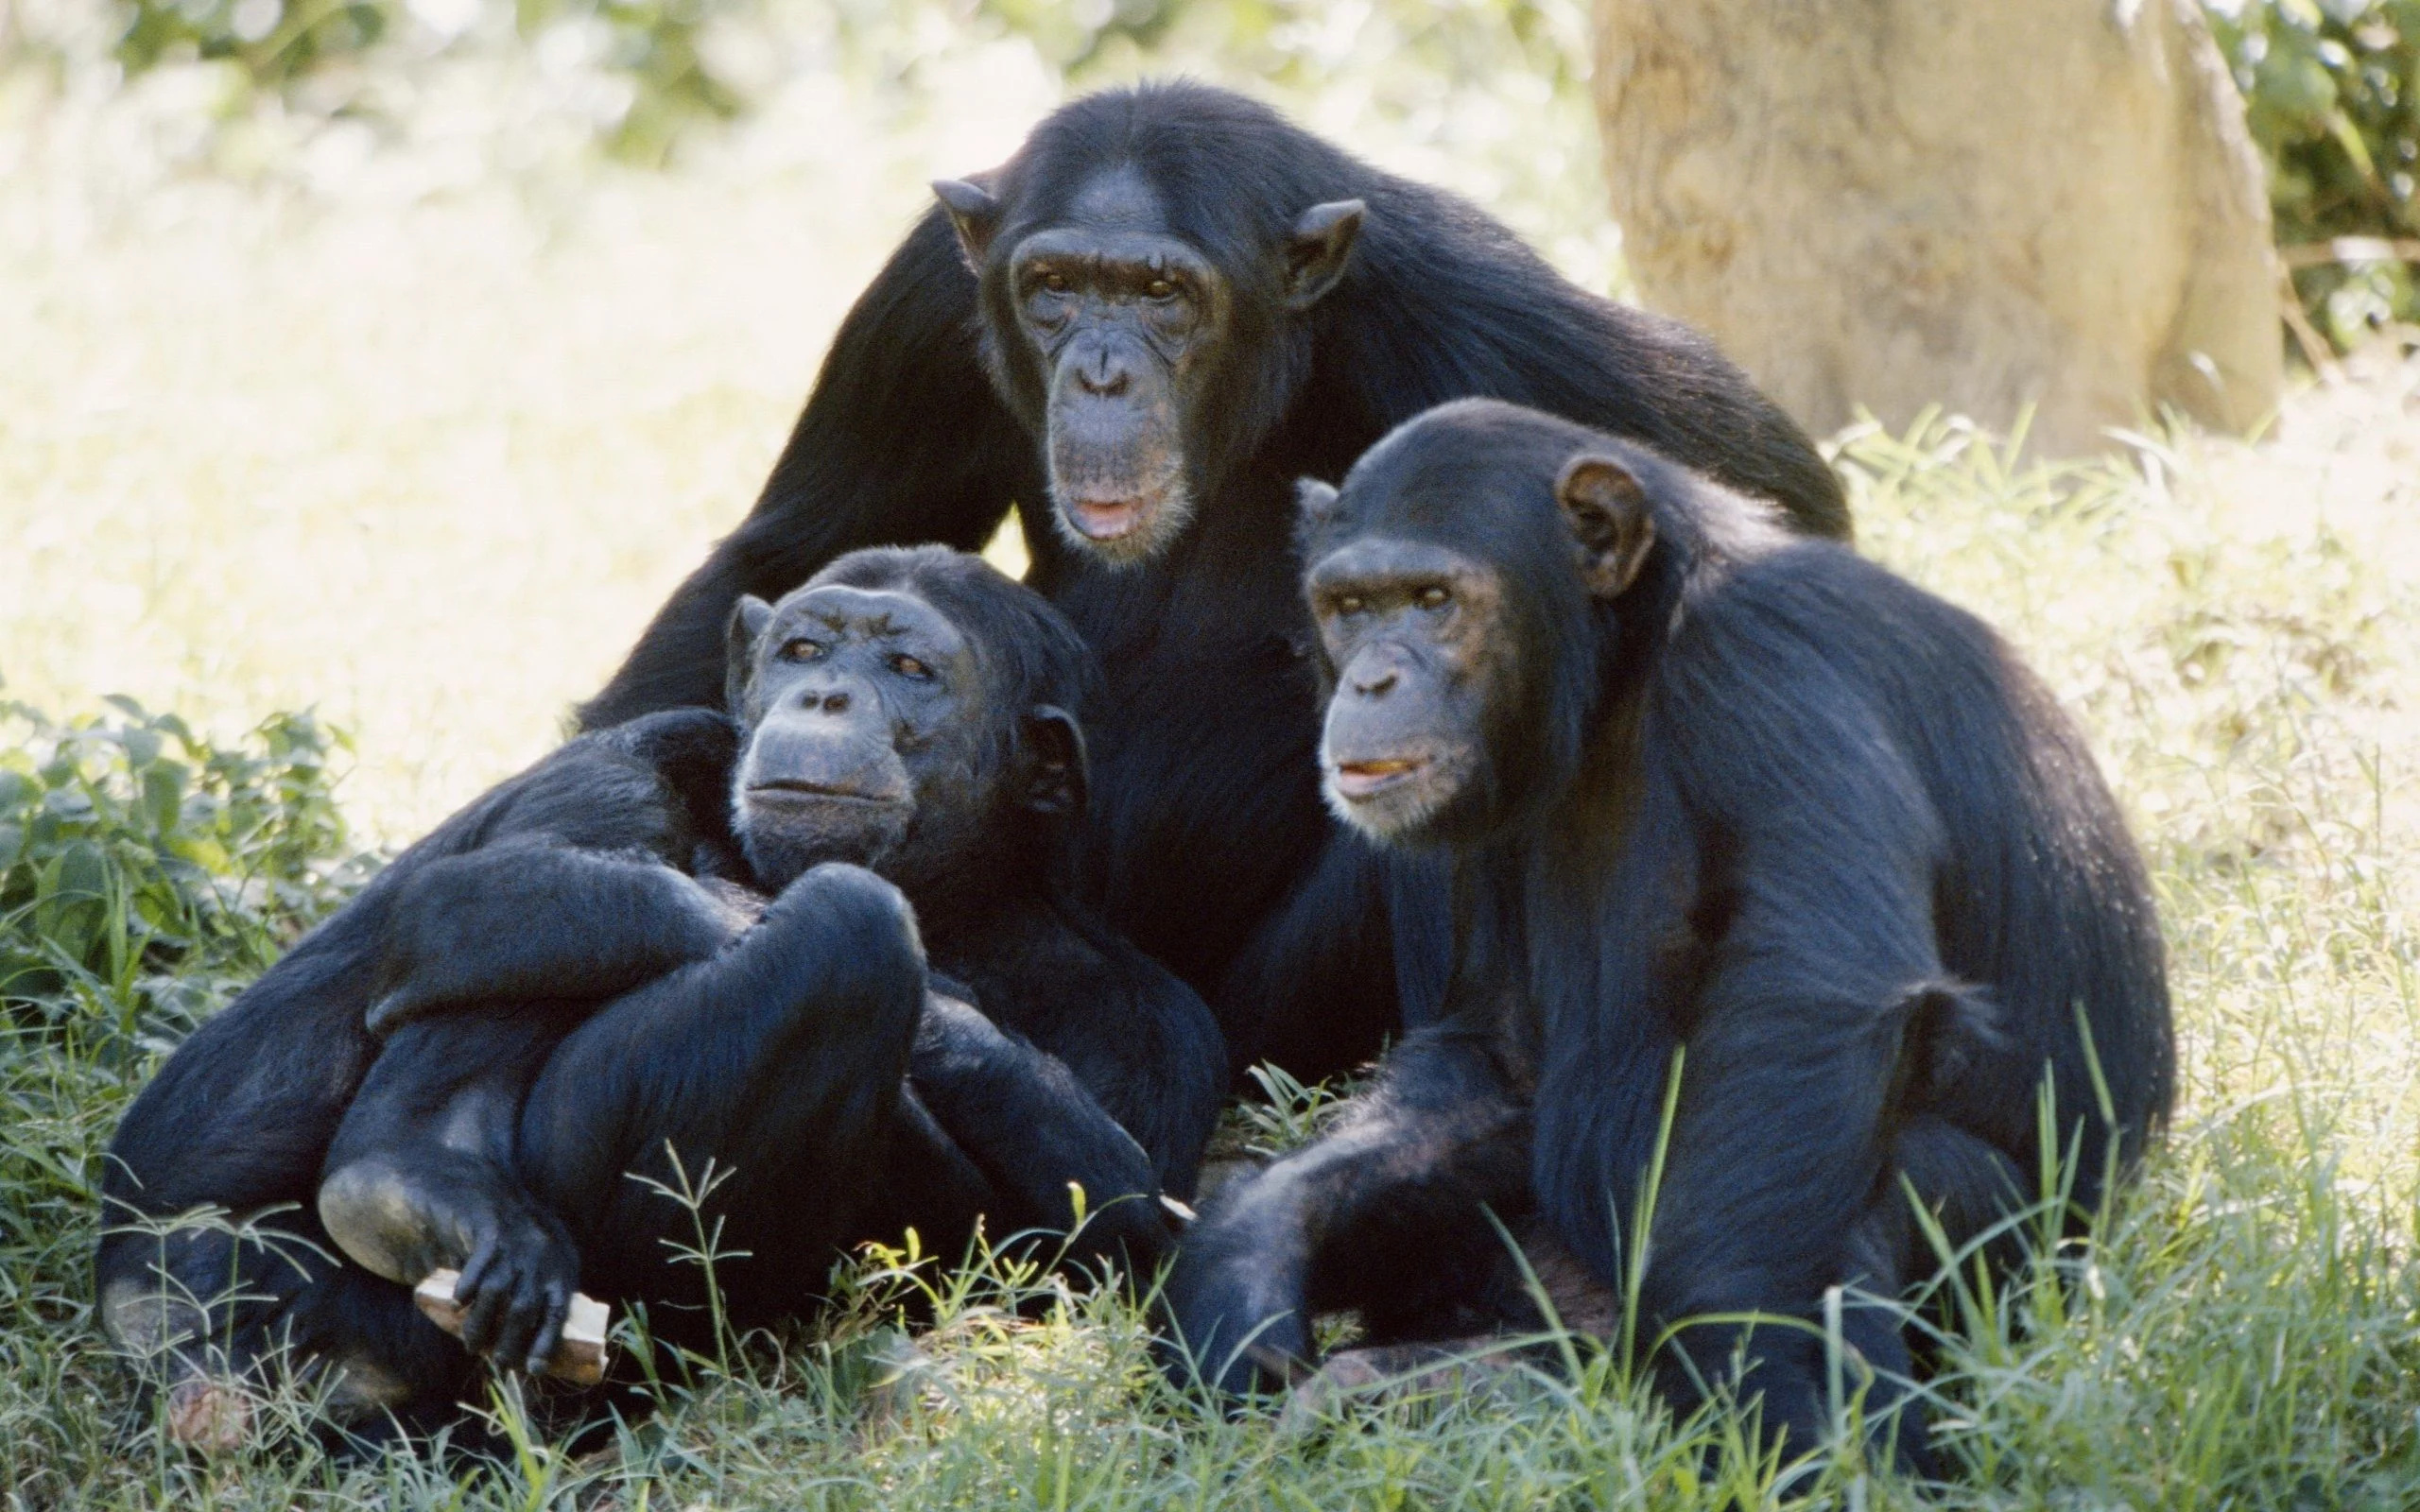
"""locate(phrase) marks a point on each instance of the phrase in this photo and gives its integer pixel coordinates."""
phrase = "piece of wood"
(580, 1354)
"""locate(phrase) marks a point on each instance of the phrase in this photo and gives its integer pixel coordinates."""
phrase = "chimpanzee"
(1140, 330)
(584, 966)
(1704, 786)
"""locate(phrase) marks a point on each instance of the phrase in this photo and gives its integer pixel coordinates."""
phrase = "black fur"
(1750, 796)
(581, 968)
(929, 418)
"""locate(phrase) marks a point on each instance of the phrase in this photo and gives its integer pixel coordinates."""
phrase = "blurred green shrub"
(2332, 88)
(144, 869)
(275, 41)
(650, 47)
(653, 47)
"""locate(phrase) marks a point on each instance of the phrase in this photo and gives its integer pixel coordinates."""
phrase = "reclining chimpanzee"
(1707, 787)
(639, 943)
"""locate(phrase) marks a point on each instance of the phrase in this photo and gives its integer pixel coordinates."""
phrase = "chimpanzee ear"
(1057, 778)
(1315, 501)
(974, 211)
(1607, 511)
(1318, 250)
(740, 634)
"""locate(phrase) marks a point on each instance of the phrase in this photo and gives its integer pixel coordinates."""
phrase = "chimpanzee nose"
(1370, 687)
(831, 703)
(1106, 374)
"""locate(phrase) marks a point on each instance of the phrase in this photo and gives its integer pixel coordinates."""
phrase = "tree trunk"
(1984, 205)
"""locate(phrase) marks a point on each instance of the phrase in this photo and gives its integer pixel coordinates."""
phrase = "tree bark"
(1984, 205)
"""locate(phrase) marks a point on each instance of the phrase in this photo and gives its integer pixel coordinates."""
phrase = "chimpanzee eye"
(1160, 288)
(1055, 282)
(1434, 597)
(1350, 604)
(908, 666)
(800, 649)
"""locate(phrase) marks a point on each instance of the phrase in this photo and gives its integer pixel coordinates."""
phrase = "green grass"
(423, 459)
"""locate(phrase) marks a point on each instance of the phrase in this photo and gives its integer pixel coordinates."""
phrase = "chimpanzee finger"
(550, 1333)
(486, 1316)
(522, 1319)
(469, 1287)
(474, 1270)
(513, 1326)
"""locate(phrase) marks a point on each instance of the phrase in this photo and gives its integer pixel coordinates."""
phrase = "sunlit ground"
(425, 458)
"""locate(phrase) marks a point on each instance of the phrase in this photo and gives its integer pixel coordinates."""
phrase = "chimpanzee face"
(876, 729)
(863, 716)
(1414, 632)
(1121, 334)
(1461, 601)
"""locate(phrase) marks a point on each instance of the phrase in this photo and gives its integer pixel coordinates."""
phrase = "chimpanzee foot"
(1396, 1372)
(209, 1415)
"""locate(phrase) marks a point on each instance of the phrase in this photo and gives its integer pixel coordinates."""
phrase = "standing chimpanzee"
(1702, 784)
(908, 710)
(1141, 329)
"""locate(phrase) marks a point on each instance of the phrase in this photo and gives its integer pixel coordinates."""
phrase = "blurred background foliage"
(2333, 86)
(2332, 89)
(648, 74)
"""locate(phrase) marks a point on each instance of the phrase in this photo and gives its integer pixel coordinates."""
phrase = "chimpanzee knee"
(742, 1096)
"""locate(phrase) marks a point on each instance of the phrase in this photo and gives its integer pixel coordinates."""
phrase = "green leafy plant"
(2332, 90)
(139, 860)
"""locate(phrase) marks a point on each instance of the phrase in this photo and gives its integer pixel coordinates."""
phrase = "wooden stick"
(580, 1354)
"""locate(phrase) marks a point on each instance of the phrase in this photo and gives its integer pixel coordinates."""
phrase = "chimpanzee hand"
(1236, 1300)
(515, 1290)
(406, 1209)
(1395, 1195)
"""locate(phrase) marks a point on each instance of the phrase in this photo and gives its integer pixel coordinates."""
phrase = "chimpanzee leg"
(229, 1308)
(1353, 1218)
(421, 1174)
(1968, 1185)
(771, 1072)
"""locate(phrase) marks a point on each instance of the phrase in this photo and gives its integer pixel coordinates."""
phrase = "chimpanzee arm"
(420, 1176)
(1032, 1129)
(902, 440)
(533, 920)
(1139, 1041)
(1796, 1032)
(1387, 1206)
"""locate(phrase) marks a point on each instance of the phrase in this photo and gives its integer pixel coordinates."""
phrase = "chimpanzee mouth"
(1359, 781)
(1123, 521)
(1107, 520)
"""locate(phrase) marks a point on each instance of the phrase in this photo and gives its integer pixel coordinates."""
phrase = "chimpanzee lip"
(795, 790)
(1367, 777)
(1106, 519)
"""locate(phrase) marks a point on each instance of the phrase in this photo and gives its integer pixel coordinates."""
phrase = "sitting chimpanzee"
(1709, 786)
(580, 977)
